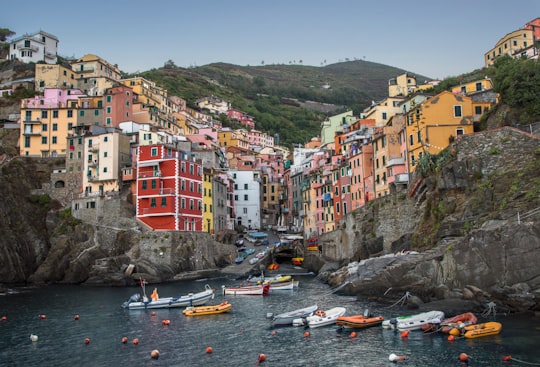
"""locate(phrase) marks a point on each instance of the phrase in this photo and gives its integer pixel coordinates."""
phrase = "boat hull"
(208, 310)
(191, 299)
(284, 286)
(287, 318)
(254, 290)
(325, 318)
(414, 322)
(358, 321)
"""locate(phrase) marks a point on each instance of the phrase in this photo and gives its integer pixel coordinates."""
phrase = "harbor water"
(237, 338)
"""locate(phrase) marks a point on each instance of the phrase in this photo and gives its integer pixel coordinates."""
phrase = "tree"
(5, 33)
(169, 64)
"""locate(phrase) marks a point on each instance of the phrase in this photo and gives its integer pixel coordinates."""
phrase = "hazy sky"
(435, 38)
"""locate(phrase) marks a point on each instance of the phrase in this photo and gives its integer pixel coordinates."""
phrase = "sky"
(435, 38)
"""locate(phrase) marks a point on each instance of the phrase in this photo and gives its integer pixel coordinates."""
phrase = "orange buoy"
(43, 317)
(4, 318)
(507, 358)
(405, 333)
(209, 350)
(353, 334)
(463, 357)
(86, 340)
(136, 341)
(153, 313)
(76, 317)
(166, 322)
(306, 334)
(451, 338)
(273, 332)
(154, 354)
(262, 357)
(124, 340)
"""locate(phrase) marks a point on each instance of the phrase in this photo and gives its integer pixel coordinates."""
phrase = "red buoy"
(166, 322)
(76, 317)
(306, 334)
(463, 357)
(124, 340)
(153, 313)
(262, 357)
(405, 333)
(136, 341)
(353, 334)
(451, 338)
(209, 350)
(273, 332)
(507, 358)
(86, 340)
(4, 318)
(43, 317)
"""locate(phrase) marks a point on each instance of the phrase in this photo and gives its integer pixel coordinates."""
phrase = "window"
(245, 210)
(81, 113)
(153, 202)
(109, 109)
(191, 207)
(419, 136)
(384, 115)
(163, 202)
(55, 114)
(70, 113)
(183, 167)
(54, 140)
(457, 111)
(70, 126)
(183, 203)
(44, 114)
(154, 184)
(235, 197)
(154, 152)
(144, 183)
(43, 127)
(104, 169)
(411, 139)
(477, 110)
(55, 127)
(246, 198)
(245, 186)
(109, 99)
(43, 140)
(96, 112)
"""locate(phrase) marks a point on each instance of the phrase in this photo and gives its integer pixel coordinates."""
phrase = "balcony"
(31, 132)
(402, 178)
(31, 48)
(93, 148)
(87, 69)
(29, 120)
(396, 162)
(149, 174)
(93, 178)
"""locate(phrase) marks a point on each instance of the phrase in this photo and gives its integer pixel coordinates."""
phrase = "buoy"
(33, 337)
(124, 340)
(395, 358)
(451, 338)
(4, 318)
(273, 332)
(306, 334)
(154, 354)
(405, 333)
(166, 322)
(262, 357)
(76, 317)
(353, 334)
(209, 350)
(463, 357)
(153, 313)
(507, 358)
(86, 340)
(43, 317)
(136, 341)
(454, 332)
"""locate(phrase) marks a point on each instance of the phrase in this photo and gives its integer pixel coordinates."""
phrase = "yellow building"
(233, 138)
(380, 160)
(474, 86)
(382, 111)
(95, 74)
(46, 121)
(207, 202)
(510, 45)
(433, 124)
(402, 85)
(54, 76)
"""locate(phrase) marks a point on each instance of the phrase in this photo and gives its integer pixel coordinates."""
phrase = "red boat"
(464, 319)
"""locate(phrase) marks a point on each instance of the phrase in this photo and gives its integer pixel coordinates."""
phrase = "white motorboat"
(321, 318)
(287, 318)
(142, 302)
(285, 286)
(250, 290)
(414, 322)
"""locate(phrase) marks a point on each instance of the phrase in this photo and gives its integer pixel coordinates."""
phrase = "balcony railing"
(401, 178)
(148, 174)
(30, 120)
(31, 132)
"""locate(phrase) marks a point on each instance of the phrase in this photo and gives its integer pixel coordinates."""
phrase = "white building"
(36, 47)
(247, 198)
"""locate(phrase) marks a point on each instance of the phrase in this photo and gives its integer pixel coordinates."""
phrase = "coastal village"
(183, 171)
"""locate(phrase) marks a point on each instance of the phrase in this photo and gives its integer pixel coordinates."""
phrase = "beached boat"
(359, 321)
(478, 330)
(321, 318)
(287, 318)
(414, 322)
(142, 302)
(271, 279)
(462, 320)
(208, 310)
(286, 286)
(250, 290)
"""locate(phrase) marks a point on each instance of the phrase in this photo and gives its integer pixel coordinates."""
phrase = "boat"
(321, 318)
(297, 261)
(287, 318)
(254, 260)
(414, 322)
(250, 251)
(359, 321)
(142, 302)
(477, 330)
(239, 260)
(461, 320)
(208, 310)
(271, 279)
(249, 290)
(285, 286)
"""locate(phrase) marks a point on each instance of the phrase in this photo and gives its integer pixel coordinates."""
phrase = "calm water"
(237, 338)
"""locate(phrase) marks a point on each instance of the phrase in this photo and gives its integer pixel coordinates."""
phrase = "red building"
(242, 117)
(169, 189)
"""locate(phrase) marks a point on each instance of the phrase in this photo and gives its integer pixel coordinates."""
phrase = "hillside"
(265, 91)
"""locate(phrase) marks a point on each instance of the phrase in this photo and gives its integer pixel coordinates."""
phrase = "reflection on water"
(237, 338)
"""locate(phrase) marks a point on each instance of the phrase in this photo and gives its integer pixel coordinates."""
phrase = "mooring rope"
(520, 361)
(491, 309)
(402, 300)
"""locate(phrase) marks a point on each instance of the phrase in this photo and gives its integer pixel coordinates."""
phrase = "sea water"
(237, 338)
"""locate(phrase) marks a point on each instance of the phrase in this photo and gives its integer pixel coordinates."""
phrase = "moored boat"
(414, 322)
(359, 321)
(138, 302)
(286, 286)
(208, 310)
(271, 279)
(321, 318)
(286, 318)
(477, 330)
(461, 320)
(250, 290)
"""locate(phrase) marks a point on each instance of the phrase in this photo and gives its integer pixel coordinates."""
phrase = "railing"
(32, 48)
(31, 132)
(402, 178)
(148, 174)
(29, 120)
(93, 178)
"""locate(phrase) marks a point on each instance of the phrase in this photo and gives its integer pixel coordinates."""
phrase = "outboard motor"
(393, 322)
(134, 298)
(367, 313)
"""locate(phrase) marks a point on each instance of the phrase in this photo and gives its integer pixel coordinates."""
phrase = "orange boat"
(478, 330)
(359, 321)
